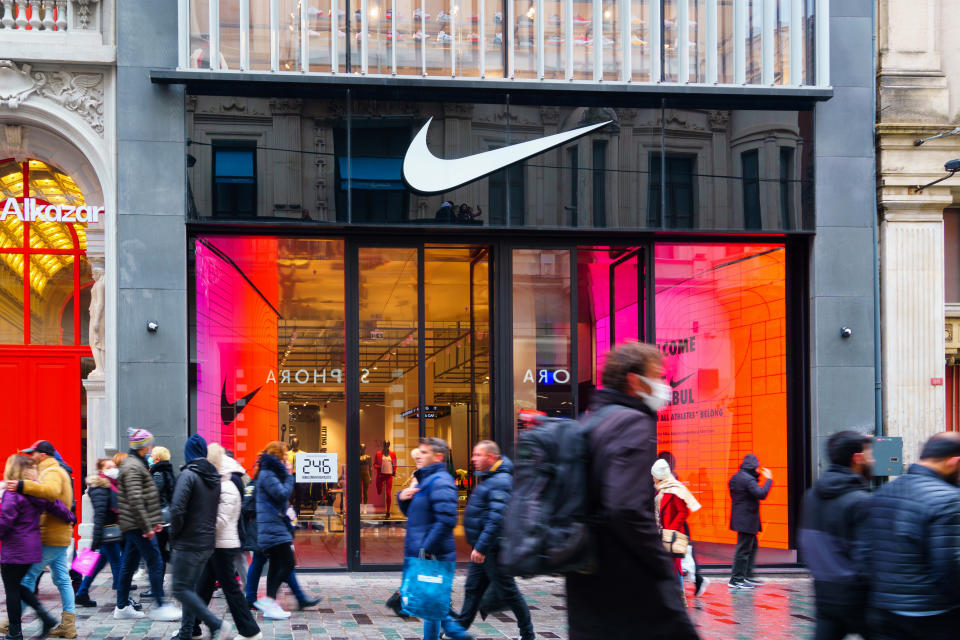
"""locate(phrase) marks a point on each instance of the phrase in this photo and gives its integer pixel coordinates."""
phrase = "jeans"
(188, 566)
(452, 628)
(256, 570)
(56, 559)
(135, 546)
(281, 566)
(482, 575)
(16, 594)
(109, 552)
(222, 568)
(885, 625)
(744, 556)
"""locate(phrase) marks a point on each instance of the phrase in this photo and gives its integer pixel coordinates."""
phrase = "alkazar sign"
(36, 210)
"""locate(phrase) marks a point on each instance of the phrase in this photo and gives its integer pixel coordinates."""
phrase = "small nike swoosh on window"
(425, 173)
(676, 383)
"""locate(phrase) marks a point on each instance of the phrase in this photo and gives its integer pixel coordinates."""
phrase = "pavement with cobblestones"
(352, 606)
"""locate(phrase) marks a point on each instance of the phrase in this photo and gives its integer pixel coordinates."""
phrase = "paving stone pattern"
(353, 607)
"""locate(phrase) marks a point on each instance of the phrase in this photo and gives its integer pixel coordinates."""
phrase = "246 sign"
(316, 467)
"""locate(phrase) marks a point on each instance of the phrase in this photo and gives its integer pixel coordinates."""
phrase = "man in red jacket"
(385, 464)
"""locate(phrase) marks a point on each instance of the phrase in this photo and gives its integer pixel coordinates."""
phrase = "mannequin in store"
(366, 473)
(385, 463)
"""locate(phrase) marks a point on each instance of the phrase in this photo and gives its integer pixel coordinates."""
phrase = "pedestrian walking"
(835, 510)
(21, 545)
(673, 504)
(689, 566)
(193, 535)
(745, 496)
(162, 473)
(395, 602)
(634, 591)
(913, 546)
(275, 483)
(138, 507)
(221, 567)
(102, 491)
(52, 483)
(431, 511)
(482, 522)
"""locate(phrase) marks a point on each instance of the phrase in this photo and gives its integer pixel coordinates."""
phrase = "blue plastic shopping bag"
(426, 587)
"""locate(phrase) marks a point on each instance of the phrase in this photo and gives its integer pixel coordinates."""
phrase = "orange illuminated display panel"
(720, 322)
(237, 324)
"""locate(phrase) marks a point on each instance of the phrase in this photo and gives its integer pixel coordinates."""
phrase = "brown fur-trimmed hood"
(98, 481)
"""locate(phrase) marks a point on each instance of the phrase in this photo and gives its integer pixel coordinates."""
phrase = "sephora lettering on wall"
(36, 210)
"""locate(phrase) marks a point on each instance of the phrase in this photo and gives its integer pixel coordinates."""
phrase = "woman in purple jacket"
(20, 543)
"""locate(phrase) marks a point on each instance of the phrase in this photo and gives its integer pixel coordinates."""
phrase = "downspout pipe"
(877, 346)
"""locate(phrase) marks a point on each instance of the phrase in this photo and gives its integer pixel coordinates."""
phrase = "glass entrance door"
(423, 360)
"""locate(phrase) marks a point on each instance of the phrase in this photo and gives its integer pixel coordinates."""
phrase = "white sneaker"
(224, 632)
(271, 609)
(258, 636)
(166, 613)
(126, 613)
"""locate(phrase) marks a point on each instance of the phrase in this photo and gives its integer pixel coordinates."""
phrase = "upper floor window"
(681, 41)
(234, 179)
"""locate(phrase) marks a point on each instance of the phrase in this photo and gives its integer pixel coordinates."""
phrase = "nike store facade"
(437, 246)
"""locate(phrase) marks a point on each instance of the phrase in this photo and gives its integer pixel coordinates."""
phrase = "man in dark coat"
(745, 497)
(482, 523)
(834, 512)
(431, 510)
(193, 535)
(634, 592)
(913, 540)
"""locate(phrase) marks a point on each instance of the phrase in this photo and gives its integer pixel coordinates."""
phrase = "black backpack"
(547, 525)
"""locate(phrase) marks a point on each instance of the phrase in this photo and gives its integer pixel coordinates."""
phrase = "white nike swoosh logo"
(425, 173)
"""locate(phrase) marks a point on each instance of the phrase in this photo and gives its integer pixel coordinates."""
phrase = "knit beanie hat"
(196, 447)
(660, 469)
(139, 438)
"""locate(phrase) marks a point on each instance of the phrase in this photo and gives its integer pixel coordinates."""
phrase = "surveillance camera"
(152, 326)
(846, 332)
(952, 165)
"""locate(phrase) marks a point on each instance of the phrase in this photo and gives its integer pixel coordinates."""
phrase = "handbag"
(111, 533)
(675, 542)
(426, 587)
(86, 562)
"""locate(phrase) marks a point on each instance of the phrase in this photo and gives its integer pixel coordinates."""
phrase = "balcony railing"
(34, 15)
(766, 43)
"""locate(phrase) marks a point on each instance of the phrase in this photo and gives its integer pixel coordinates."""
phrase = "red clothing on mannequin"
(384, 480)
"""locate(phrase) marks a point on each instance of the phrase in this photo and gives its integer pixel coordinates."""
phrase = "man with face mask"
(913, 542)
(634, 591)
(834, 511)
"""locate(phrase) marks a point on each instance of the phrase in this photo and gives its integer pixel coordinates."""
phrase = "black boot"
(307, 603)
(85, 601)
(49, 622)
(396, 604)
(13, 636)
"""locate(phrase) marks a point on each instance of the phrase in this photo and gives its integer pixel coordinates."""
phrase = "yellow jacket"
(52, 483)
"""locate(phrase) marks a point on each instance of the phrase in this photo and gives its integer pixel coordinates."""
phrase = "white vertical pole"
(656, 43)
(683, 40)
(482, 43)
(739, 41)
(423, 40)
(568, 37)
(183, 15)
(539, 44)
(626, 34)
(822, 45)
(363, 36)
(768, 20)
(796, 42)
(711, 31)
(393, 36)
(508, 29)
(454, 12)
(597, 40)
(214, 14)
(304, 37)
(244, 35)
(274, 35)
(334, 36)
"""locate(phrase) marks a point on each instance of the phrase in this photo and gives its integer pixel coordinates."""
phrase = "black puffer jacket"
(193, 512)
(104, 501)
(913, 538)
(483, 517)
(834, 512)
(745, 497)
(162, 473)
(635, 592)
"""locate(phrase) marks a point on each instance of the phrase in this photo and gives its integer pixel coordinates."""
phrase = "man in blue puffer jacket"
(913, 537)
(431, 510)
(482, 521)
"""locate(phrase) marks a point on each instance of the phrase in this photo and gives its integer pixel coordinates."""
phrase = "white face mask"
(111, 473)
(659, 395)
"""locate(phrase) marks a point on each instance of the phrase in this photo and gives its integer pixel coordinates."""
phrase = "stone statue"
(96, 323)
